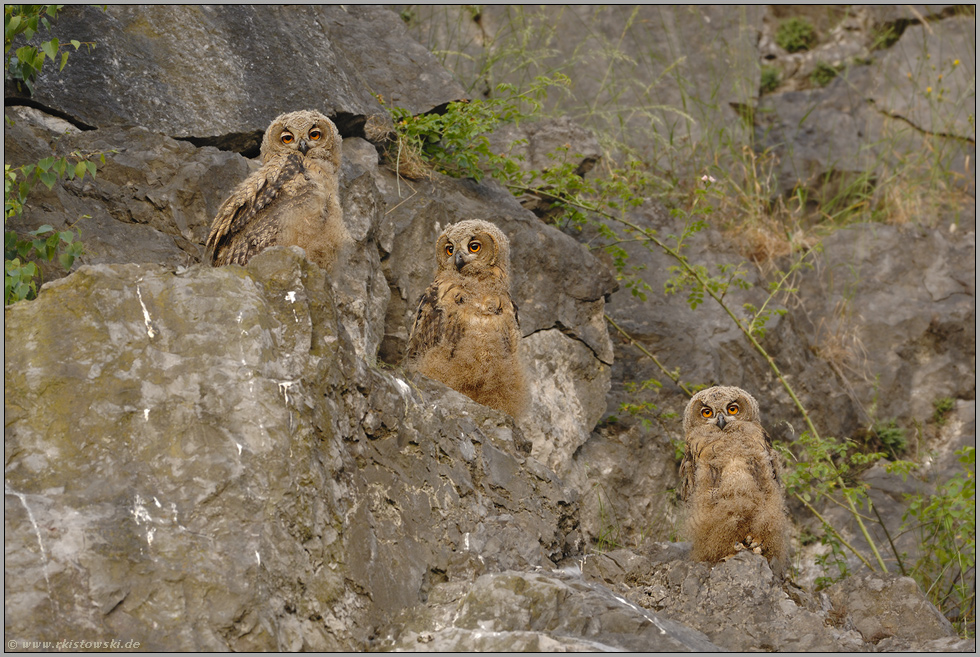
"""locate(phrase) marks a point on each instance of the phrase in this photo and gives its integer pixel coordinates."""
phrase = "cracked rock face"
(232, 459)
(180, 70)
(199, 459)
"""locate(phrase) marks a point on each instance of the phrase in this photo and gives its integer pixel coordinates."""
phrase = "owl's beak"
(458, 261)
(721, 422)
(303, 146)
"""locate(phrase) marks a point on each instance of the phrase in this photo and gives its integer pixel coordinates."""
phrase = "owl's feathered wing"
(247, 222)
(429, 327)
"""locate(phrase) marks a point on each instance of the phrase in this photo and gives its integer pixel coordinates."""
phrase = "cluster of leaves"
(942, 408)
(823, 74)
(796, 35)
(21, 271)
(892, 437)
(20, 255)
(946, 525)
(769, 80)
(455, 141)
(26, 62)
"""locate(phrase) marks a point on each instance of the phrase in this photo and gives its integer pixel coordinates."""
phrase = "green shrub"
(942, 407)
(945, 523)
(769, 80)
(796, 35)
(823, 74)
(892, 437)
(20, 270)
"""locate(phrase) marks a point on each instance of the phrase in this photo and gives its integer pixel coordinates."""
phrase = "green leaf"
(48, 178)
(64, 60)
(10, 25)
(81, 168)
(50, 48)
(26, 54)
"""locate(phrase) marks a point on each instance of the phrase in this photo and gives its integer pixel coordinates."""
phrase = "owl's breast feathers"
(740, 446)
(449, 310)
(242, 227)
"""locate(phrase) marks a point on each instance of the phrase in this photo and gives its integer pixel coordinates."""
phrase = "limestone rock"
(183, 71)
(740, 607)
(883, 606)
(540, 611)
(198, 458)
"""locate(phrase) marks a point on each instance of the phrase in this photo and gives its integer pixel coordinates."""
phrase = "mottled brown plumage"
(293, 199)
(730, 480)
(466, 332)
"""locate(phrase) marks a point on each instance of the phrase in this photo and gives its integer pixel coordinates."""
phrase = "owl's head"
(474, 248)
(719, 406)
(306, 132)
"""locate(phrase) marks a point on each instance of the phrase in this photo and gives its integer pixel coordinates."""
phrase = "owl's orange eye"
(706, 412)
(449, 249)
(475, 247)
(287, 138)
(732, 409)
(315, 135)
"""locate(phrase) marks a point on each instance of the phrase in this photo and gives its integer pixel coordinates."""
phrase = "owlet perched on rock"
(293, 199)
(730, 480)
(466, 332)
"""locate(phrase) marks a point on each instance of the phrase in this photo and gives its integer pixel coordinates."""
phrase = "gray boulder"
(199, 458)
(541, 611)
(740, 606)
(881, 607)
(667, 85)
(183, 70)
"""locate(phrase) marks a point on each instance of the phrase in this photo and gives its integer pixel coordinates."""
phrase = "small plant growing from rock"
(823, 74)
(796, 35)
(942, 408)
(769, 80)
(892, 437)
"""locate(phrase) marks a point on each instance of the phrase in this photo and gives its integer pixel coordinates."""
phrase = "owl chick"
(293, 199)
(466, 332)
(730, 480)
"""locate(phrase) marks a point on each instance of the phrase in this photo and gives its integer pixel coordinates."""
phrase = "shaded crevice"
(568, 332)
(899, 26)
(248, 143)
(244, 143)
(920, 129)
(24, 101)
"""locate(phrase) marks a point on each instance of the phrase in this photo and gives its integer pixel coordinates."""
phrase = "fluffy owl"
(466, 332)
(293, 199)
(730, 479)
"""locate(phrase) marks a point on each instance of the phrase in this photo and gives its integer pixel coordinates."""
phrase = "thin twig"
(673, 377)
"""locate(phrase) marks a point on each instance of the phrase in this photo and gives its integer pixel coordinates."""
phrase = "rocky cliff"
(233, 459)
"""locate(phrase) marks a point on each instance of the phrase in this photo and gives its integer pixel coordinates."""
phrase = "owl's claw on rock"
(748, 543)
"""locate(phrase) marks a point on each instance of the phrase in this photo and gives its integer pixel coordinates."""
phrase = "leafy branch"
(25, 63)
